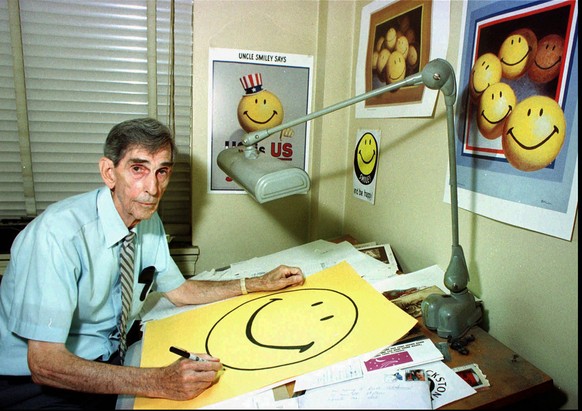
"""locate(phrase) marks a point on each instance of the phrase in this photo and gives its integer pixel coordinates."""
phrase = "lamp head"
(265, 178)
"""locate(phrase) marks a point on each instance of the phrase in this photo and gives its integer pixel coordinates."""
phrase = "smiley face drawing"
(548, 60)
(534, 133)
(495, 106)
(517, 52)
(258, 109)
(366, 158)
(282, 328)
(485, 72)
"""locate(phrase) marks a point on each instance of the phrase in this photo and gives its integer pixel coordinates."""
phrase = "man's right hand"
(186, 379)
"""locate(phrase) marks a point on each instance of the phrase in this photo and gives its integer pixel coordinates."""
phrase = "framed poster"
(254, 90)
(397, 39)
(517, 113)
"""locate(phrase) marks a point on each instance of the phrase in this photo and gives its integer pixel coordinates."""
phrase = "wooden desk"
(512, 378)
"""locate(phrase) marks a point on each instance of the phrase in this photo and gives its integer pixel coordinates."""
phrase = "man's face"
(138, 182)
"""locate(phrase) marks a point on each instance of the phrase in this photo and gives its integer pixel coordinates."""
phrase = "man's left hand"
(277, 279)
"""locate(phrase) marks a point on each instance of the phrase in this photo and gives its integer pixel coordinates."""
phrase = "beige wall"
(231, 228)
(528, 281)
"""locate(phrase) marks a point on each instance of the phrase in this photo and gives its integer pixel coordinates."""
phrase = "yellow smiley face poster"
(366, 159)
(268, 337)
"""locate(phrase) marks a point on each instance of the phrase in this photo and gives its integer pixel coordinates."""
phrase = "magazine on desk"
(404, 355)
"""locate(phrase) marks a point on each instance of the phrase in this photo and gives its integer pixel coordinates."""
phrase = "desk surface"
(512, 378)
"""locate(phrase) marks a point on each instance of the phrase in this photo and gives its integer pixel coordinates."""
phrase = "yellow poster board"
(263, 338)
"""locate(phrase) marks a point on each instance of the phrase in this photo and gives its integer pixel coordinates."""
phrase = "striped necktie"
(126, 265)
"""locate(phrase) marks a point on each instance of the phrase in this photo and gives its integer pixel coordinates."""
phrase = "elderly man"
(62, 335)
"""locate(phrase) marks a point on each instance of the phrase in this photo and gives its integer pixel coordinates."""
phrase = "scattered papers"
(410, 300)
(377, 390)
(312, 258)
(341, 371)
(405, 355)
(446, 385)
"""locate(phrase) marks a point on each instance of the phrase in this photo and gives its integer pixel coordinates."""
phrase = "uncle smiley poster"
(253, 90)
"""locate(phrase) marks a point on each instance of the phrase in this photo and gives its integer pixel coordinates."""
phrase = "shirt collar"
(113, 227)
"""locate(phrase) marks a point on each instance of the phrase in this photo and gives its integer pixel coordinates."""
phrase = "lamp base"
(451, 315)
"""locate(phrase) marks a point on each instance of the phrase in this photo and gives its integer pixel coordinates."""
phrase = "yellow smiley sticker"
(366, 158)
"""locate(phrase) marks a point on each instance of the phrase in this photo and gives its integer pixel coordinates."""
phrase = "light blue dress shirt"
(62, 281)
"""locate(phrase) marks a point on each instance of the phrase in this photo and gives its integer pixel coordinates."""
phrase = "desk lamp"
(267, 178)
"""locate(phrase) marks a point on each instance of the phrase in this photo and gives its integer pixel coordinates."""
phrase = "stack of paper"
(312, 258)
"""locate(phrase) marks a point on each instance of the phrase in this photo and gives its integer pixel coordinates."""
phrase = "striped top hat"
(252, 83)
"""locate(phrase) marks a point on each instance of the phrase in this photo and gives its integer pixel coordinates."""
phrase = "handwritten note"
(375, 390)
(341, 371)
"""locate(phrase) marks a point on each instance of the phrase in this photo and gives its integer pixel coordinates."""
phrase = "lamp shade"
(263, 177)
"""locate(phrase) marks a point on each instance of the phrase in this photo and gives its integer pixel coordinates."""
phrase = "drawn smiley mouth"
(541, 143)
(371, 158)
(246, 113)
(554, 64)
(251, 338)
(519, 61)
(480, 91)
(509, 109)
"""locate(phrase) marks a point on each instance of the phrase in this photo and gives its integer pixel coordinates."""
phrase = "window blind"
(85, 70)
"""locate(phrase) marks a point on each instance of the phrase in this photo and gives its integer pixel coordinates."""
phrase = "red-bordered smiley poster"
(517, 113)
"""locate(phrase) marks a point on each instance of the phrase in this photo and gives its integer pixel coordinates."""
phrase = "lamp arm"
(252, 138)
(437, 74)
(453, 172)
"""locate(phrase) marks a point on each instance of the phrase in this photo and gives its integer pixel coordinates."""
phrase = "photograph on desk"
(264, 339)
(382, 252)
(472, 375)
(445, 385)
(410, 299)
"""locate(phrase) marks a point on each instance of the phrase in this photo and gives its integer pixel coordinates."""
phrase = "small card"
(472, 375)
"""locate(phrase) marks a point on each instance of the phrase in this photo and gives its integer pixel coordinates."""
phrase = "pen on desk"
(186, 354)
